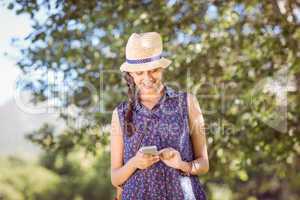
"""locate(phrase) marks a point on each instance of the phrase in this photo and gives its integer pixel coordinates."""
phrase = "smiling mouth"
(148, 86)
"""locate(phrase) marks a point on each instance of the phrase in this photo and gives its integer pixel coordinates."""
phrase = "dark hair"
(132, 97)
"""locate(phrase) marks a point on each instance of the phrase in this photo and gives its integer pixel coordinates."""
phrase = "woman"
(156, 114)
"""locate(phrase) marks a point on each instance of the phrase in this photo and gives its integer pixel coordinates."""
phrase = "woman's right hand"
(143, 161)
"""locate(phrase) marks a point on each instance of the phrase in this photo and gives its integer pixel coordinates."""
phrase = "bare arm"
(197, 131)
(119, 172)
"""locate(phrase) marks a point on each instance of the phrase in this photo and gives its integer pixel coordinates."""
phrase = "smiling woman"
(149, 84)
(156, 115)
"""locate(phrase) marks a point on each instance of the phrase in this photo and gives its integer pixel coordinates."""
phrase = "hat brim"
(163, 62)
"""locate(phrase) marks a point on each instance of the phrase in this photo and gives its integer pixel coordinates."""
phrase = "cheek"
(157, 77)
(138, 80)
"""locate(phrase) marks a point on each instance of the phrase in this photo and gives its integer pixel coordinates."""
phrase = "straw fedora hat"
(144, 52)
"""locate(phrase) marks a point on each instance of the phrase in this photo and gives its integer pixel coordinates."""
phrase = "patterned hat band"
(144, 60)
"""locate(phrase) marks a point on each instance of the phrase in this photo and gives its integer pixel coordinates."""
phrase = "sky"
(13, 26)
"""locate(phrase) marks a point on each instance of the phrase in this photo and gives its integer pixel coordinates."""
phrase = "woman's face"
(149, 81)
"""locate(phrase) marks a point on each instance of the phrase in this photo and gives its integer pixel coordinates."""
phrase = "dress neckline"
(168, 92)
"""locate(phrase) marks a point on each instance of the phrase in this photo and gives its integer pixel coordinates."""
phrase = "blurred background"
(60, 80)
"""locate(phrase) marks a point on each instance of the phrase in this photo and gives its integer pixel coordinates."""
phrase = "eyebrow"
(152, 70)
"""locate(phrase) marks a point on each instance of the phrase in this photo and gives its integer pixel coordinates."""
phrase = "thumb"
(160, 151)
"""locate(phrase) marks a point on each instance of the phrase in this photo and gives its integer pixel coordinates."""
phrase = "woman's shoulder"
(192, 100)
(121, 107)
(118, 110)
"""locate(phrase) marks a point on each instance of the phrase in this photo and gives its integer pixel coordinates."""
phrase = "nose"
(147, 76)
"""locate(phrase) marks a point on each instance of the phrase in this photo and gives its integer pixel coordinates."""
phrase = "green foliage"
(223, 51)
(79, 175)
(83, 175)
(21, 180)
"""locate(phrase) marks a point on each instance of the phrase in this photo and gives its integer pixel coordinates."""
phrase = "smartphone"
(152, 150)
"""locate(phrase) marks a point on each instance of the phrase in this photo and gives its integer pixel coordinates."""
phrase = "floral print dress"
(165, 125)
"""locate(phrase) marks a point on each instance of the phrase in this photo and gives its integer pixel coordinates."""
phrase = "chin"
(149, 90)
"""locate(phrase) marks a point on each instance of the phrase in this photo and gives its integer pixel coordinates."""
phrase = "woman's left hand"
(171, 157)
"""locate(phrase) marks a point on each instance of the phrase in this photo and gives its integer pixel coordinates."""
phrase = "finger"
(172, 154)
(144, 155)
(148, 156)
(162, 150)
(140, 153)
(161, 157)
(155, 158)
(168, 155)
(164, 154)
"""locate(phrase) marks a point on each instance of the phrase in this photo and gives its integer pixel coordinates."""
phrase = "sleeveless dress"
(165, 125)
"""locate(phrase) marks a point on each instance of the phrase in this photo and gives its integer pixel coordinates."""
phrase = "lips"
(148, 86)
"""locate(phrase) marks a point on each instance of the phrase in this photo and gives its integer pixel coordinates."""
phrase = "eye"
(155, 70)
(138, 73)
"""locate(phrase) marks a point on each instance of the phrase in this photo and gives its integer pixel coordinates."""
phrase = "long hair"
(132, 97)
